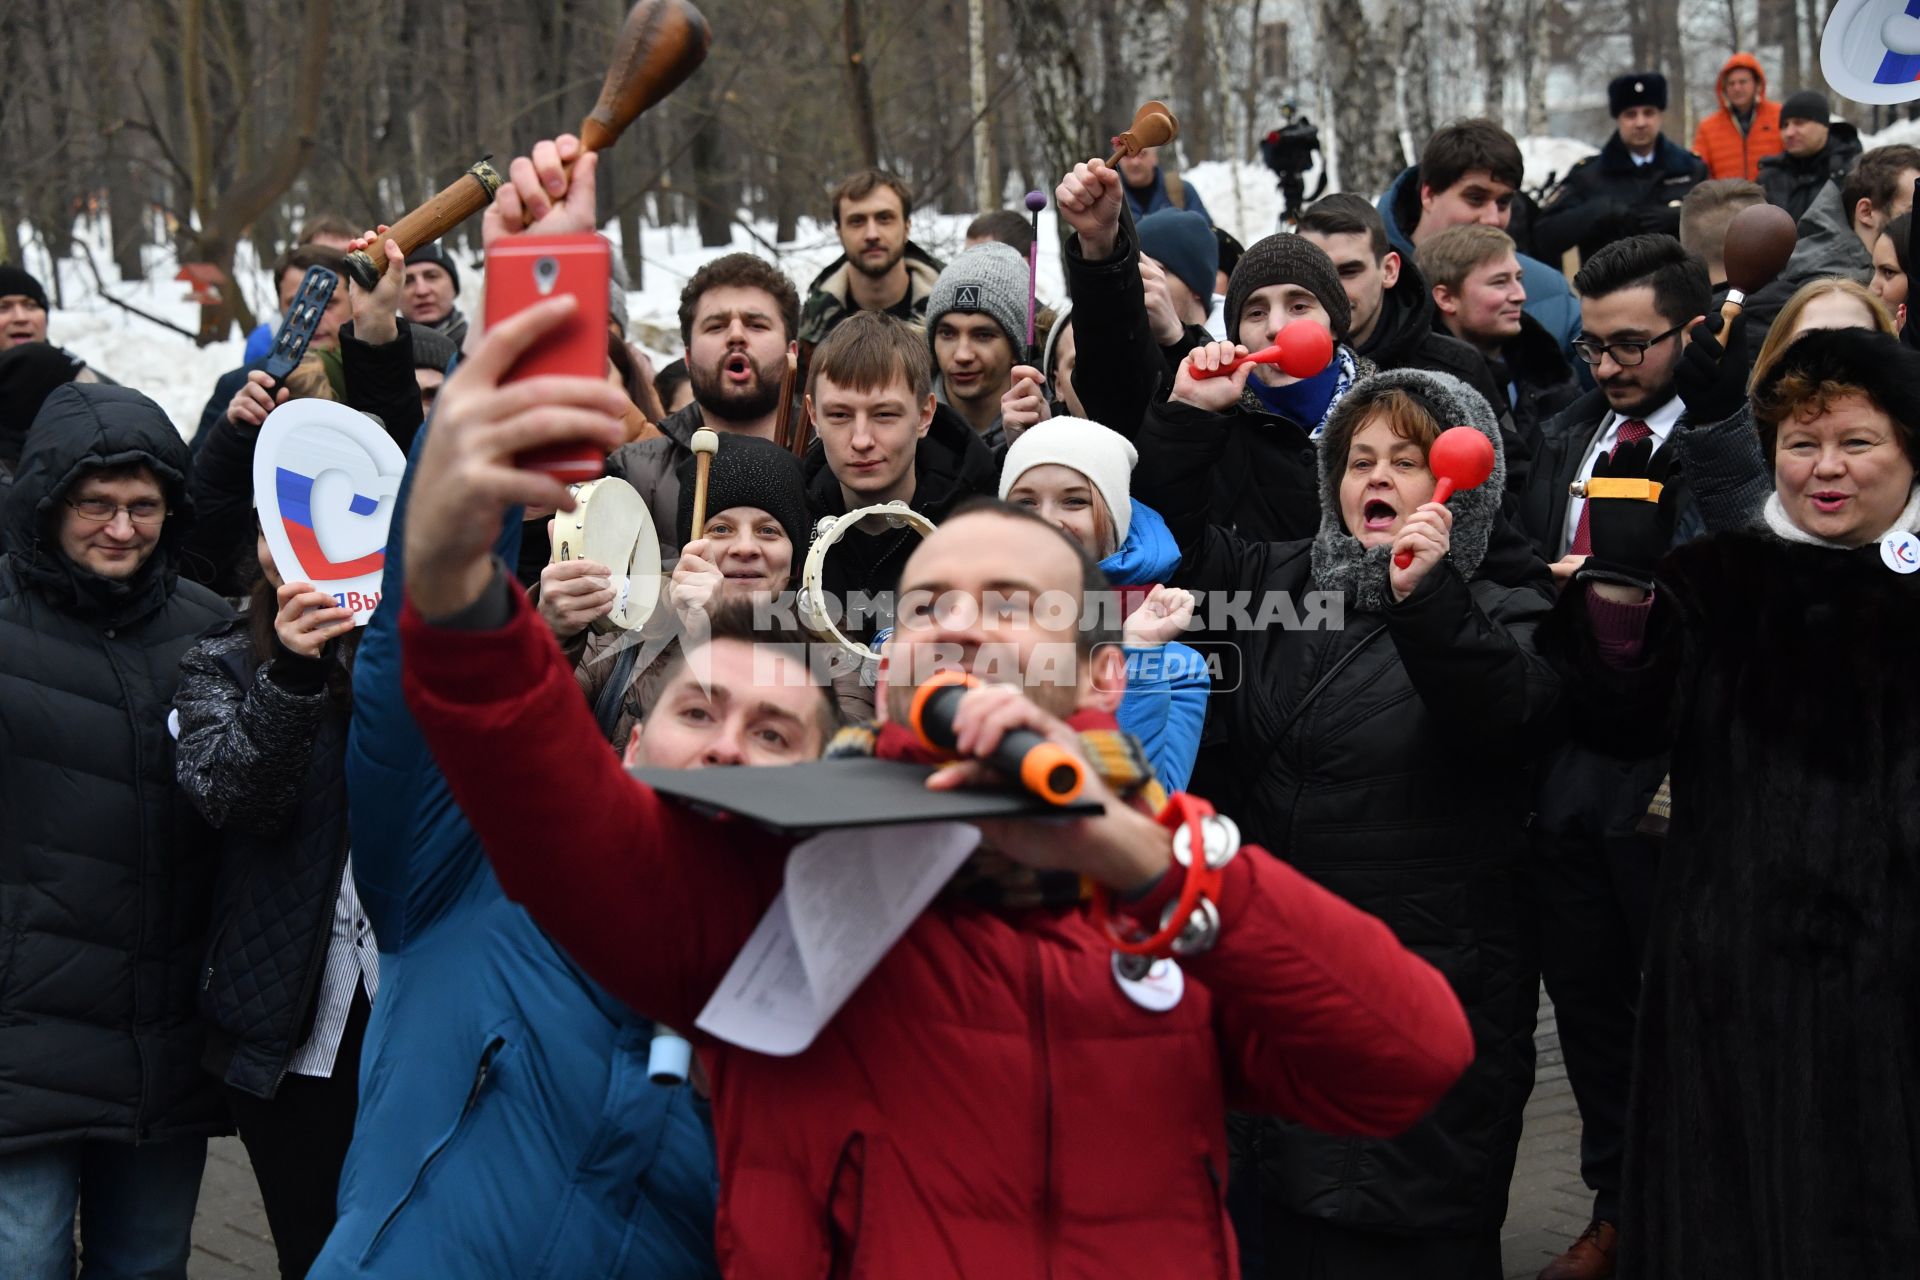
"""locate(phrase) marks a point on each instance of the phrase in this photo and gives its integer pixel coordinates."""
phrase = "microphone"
(1045, 768)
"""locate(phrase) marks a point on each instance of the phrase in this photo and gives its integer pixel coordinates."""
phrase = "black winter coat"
(1608, 197)
(1792, 182)
(1542, 380)
(262, 754)
(105, 870)
(1406, 337)
(1778, 1052)
(1403, 787)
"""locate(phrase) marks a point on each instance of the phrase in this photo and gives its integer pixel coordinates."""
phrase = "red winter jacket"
(988, 1103)
(1729, 153)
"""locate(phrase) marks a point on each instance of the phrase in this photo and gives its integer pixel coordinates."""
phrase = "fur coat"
(1771, 1134)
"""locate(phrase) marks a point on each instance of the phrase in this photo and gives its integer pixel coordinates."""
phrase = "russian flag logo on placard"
(296, 516)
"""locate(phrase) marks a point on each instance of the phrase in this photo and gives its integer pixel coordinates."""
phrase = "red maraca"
(1462, 458)
(1302, 349)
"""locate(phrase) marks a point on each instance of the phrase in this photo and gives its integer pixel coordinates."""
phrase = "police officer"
(1633, 187)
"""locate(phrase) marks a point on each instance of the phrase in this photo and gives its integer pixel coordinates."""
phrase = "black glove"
(1629, 535)
(1711, 379)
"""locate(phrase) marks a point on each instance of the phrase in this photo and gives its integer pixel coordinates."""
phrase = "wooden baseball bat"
(661, 43)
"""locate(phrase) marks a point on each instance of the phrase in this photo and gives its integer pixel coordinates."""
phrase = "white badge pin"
(1159, 991)
(1901, 551)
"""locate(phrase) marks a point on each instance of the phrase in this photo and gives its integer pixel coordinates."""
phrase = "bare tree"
(859, 83)
(1490, 46)
(1359, 75)
(1056, 85)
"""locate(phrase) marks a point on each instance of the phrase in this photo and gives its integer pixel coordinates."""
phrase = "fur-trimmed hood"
(1339, 561)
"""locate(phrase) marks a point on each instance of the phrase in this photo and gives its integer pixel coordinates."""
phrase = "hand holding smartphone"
(527, 269)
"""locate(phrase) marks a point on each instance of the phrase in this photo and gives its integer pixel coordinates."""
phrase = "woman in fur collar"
(1773, 1126)
(1384, 719)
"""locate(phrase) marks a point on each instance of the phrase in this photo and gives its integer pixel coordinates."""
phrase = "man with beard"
(738, 315)
(1593, 869)
(880, 268)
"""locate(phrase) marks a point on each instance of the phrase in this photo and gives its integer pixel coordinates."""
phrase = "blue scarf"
(1305, 402)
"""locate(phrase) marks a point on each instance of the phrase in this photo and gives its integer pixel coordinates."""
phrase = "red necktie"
(1632, 431)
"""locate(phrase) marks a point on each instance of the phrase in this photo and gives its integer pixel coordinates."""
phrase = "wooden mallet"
(1153, 125)
(661, 43)
(705, 444)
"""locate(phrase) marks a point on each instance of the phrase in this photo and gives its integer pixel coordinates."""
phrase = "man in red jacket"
(992, 1100)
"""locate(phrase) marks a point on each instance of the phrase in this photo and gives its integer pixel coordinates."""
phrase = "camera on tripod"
(1290, 151)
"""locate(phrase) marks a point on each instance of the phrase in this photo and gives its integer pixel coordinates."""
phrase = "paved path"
(1548, 1207)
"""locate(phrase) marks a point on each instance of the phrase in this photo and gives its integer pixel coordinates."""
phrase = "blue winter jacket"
(507, 1126)
(1550, 299)
(1167, 685)
(1155, 198)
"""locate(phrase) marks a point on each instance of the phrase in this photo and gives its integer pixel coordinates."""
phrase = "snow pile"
(1551, 157)
(1906, 131)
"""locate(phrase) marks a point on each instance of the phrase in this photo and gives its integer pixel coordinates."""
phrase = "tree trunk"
(1787, 14)
(1534, 55)
(1671, 58)
(985, 195)
(1816, 17)
(711, 190)
(1490, 35)
(1057, 99)
(1416, 81)
(1252, 104)
(1358, 76)
(853, 41)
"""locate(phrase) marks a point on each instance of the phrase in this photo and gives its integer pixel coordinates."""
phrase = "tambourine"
(611, 524)
(830, 529)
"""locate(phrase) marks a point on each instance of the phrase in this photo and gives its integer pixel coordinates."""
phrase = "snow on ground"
(1907, 131)
(1242, 196)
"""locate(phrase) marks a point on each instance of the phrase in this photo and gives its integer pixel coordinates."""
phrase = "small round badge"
(1901, 551)
(1158, 991)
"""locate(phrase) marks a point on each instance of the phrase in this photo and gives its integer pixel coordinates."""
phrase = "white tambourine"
(611, 525)
(813, 601)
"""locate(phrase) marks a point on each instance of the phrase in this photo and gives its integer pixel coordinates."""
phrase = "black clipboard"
(858, 791)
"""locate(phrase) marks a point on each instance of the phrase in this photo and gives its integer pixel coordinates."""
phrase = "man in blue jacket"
(1470, 171)
(507, 1125)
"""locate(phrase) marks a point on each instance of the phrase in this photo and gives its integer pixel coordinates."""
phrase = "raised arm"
(651, 900)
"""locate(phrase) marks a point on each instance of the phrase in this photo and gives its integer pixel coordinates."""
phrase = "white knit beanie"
(1103, 456)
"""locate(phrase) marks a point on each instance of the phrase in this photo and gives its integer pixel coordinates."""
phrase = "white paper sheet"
(848, 897)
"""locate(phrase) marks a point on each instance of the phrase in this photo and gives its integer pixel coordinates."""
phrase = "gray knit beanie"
(1285, 258)
(990, 278)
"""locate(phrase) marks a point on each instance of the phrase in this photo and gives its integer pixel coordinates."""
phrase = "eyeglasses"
(1625, 354)
(146, 513)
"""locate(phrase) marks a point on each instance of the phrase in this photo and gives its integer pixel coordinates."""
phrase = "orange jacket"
(1728, 152)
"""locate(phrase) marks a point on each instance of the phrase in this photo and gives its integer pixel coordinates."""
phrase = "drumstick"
(704, 444)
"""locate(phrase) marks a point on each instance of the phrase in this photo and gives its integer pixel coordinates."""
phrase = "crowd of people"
(1370, 762)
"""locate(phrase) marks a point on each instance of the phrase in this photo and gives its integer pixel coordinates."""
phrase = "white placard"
(324, 481)
(1870, 51)
(849, 896)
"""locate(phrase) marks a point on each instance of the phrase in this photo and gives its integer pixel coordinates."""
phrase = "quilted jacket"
(262, 754)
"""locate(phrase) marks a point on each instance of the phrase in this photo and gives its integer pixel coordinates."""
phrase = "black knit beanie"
(1807, 104)
(16, 280)
(1285, 258)
(440, 258)
(749, 472)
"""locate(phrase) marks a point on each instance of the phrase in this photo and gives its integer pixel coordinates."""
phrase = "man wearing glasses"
(1593, 868)
(105, 872)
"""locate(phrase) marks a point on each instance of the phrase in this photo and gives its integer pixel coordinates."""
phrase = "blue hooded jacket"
(1167, 685)
(1550, 299)
(507, 1126)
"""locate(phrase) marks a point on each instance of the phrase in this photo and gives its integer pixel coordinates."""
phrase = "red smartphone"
(527, 269)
